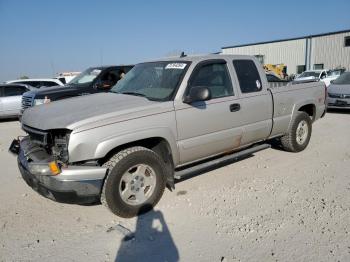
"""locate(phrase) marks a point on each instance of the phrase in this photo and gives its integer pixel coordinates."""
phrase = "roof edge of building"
(288, 39)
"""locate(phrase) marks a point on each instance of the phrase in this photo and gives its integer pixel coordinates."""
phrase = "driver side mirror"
(197, 93)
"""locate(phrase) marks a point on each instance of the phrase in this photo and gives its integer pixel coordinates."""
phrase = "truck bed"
(291, 97)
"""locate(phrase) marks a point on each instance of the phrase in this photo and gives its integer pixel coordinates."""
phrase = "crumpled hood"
(89, 111)
(339, 89)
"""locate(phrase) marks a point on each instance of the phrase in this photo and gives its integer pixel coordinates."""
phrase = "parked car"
(92, 80)
(311, 74)
(38, 82)
(166, 118)
(339, 92)
(326, 76)
(332, 75)
(10, 99)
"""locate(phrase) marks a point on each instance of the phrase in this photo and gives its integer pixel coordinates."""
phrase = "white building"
(322, 51)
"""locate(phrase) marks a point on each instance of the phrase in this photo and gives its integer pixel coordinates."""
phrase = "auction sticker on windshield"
(175, 66)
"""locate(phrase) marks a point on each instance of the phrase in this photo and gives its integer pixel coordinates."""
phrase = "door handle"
(235, 107)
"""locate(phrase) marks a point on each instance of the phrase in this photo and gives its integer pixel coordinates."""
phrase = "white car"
(326, 76)
(38, 82)
(332, 75)
(312, 74)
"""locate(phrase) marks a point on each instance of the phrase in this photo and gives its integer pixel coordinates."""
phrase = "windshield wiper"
(133, 94)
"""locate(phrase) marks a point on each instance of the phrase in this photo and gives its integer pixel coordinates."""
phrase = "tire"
(294, 142)
(138, 172)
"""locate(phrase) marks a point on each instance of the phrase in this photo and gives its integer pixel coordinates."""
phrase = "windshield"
(309, 73)
(155, 81)
(87, 76)
(343, 79)
(336, 72)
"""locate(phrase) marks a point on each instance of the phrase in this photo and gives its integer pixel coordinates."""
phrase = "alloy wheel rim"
(302, 132)
(137, 184)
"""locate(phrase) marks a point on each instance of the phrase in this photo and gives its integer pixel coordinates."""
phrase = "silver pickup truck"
(165, 119)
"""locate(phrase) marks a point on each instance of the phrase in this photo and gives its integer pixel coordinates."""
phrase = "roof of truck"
(197, 58)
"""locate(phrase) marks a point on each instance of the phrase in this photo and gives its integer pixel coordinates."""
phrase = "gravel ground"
(274, 206)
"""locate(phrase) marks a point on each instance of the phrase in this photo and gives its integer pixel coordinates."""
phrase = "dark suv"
(92, 80)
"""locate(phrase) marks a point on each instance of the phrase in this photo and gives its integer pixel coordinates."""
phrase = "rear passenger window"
(48, 84)
(248, 76)
(31, 83)
(215, 77)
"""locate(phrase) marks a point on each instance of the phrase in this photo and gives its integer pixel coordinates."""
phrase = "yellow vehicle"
(279, 70)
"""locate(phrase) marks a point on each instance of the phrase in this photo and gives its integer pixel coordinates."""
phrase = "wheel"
(135, 181)
(298, 136)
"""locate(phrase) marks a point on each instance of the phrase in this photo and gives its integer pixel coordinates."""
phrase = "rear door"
(210, 127)
(255, 101)
(12, 99)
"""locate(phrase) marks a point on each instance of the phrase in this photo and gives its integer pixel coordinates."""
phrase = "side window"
(215, 77)
(31, 83)
(1, 91)
(14, 91)
(48, 84)
(63, 80)
(110, 77)
(248, 76)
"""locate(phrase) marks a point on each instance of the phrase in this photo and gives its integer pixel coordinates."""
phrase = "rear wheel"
(135, 181)
(298, 136)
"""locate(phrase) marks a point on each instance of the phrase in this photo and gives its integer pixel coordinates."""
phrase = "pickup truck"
(92, 80)
(163, 120)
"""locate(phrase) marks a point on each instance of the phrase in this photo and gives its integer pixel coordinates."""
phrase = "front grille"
(37, 136)
(27, 101)
(332, 95)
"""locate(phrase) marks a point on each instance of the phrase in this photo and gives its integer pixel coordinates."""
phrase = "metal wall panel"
(330, 51)
(291, 53)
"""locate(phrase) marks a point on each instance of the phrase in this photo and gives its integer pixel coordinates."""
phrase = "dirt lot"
(275, 206)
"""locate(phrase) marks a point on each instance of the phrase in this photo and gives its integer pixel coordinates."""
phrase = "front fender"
(109, 143)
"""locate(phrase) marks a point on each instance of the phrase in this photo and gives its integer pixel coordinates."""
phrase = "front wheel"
(299, 135)
(135, 181)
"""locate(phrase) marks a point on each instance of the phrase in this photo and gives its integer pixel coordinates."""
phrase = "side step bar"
(226, 158)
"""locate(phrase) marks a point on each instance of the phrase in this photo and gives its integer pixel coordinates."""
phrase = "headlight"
(44, 169)
(60, 147)
(41, 101)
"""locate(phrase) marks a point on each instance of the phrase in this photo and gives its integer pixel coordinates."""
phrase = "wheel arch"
(158, 144)
(309, 109)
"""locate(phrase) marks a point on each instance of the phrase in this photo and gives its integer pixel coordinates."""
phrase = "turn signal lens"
(54, 168)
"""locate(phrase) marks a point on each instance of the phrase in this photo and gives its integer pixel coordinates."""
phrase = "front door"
(209, 127)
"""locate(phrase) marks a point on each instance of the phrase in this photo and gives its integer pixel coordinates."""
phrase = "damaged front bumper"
(74, 184)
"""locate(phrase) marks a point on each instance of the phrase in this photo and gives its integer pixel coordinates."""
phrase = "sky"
(40, 38)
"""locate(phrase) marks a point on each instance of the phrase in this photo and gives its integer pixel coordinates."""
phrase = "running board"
(200, 167)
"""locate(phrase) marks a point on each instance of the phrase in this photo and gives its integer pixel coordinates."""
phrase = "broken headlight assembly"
(59, 147)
